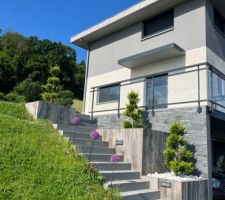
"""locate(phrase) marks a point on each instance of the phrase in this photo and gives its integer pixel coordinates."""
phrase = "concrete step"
(102, 150)
(146, 194)
(128, 185)
(85, 142)
(78, 135)
(100, 157)
(108, 166)
(120, 175)
(72, 129)
(83, 117)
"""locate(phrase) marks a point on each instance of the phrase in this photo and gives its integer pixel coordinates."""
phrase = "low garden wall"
(140, 147)
(180, 189)
(57, 114)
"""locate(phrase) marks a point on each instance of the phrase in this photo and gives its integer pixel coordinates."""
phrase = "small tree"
(52, 87)
(133, 112)
(177, 157)
(54, 92)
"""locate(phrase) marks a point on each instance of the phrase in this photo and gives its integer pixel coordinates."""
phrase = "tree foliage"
(54, 92)
(133, 112)
(28, 59)
(177, 156)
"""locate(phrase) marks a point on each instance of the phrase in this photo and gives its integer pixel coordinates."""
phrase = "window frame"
(215, 10)
(108, 86)
(153, 98)
(160, 32)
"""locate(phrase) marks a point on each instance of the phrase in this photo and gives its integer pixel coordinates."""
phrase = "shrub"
(65, 97)
(31, 90)
(14, 97)
(52, 86)
(1, 96)
(177, 156)
(54, 92)
(133, 112)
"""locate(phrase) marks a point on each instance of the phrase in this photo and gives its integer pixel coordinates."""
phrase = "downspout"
(86, 77)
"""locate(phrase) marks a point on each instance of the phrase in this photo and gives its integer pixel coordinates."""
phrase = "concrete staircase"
(118, 176)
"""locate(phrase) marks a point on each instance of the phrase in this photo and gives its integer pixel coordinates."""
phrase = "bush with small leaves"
(64, 97)
(1, 96)
(133, 112)
(54, 92)
(14, 97)
(177, 156)
(30, 89)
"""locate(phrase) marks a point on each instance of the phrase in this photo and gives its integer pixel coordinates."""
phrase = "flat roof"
(132, 15)
(153, 55)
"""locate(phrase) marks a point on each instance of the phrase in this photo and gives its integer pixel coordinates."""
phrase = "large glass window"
(158, 24)
(217, 89)
(219, 21)
(157, 92)
(109, 93)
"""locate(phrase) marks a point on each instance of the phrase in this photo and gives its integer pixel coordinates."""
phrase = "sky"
(57, 20)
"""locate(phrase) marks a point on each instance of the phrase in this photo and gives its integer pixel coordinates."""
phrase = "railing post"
(153, 95)
(92, 104)
(119, 103)
(199, 109)
(146, 97)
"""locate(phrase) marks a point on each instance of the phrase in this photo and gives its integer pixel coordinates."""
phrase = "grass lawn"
(77, 104)
(37, 163)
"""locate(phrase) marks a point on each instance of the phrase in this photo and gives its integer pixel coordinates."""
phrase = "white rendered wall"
(181, 88)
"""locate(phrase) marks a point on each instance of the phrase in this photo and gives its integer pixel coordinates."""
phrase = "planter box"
(140, 147)
(180, 190)
(57, 114)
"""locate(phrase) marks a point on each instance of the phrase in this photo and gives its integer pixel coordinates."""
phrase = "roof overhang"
(152, 56)
(132, 15)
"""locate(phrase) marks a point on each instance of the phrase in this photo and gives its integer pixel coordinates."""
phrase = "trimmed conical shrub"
(178, 158)
(133, 112)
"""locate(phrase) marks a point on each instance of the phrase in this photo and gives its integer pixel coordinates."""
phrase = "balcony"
(197, 85)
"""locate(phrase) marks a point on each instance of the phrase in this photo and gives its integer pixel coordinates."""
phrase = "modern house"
(173, 54)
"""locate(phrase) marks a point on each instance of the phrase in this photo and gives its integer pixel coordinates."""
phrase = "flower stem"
(91, 151)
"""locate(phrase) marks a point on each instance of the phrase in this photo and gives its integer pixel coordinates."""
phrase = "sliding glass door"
(157, 92)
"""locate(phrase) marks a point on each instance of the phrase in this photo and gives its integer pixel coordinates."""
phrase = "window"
(219, 21)
(159, 23)
(158, 97)
(109, 93)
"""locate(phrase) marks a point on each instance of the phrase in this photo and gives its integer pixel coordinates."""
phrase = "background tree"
(28, 59)
(177, 156)
(133, 112)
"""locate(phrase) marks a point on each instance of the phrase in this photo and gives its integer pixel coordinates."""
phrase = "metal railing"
(198, 68)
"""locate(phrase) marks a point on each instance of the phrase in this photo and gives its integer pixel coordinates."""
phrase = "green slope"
(37, 163)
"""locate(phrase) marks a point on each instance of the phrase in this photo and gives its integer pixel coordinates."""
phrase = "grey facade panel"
(215, 40)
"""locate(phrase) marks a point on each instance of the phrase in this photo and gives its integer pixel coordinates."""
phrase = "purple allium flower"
(94, 135)
(115, 158)
(75, 120)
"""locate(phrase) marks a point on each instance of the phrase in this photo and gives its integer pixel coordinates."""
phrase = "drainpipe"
(86, 77)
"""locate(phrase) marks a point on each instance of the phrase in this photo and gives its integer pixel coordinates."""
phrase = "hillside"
(37, 163)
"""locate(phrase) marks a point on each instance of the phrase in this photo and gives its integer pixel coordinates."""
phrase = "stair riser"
(110, 167)
(81, 124)
(121, 176)
(78, 135)
(145, 196)
(89, 143)
(102, 158)
(96, 150)
(77, 130)
(130, 186)
(85, 127)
